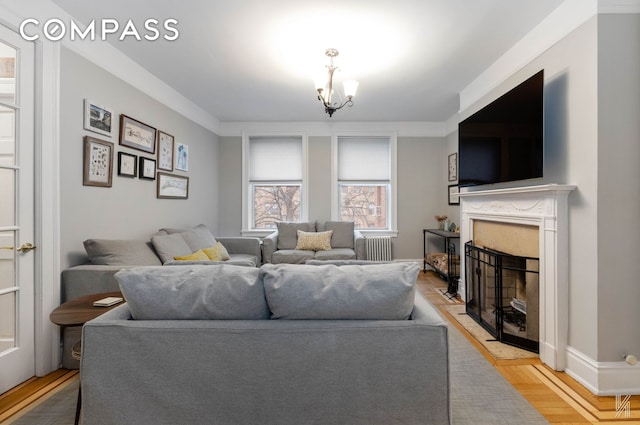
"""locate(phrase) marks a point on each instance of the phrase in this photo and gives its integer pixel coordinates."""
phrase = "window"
(364, 178)
(275, 179)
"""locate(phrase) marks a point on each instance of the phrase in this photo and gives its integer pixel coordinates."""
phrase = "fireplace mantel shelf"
(518, 190)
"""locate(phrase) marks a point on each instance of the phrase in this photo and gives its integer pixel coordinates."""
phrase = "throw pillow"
(199, 237)
(314, 241)
(121, 252)
(367, 292)
(196, 256)
(287, 233)
(215, 292)
(217, 252)
(343, 232)
(170, 246)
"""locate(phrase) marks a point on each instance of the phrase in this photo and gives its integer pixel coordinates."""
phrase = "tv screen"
(503, 141)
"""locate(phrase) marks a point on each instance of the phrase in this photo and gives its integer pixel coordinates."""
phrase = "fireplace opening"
(502, 295)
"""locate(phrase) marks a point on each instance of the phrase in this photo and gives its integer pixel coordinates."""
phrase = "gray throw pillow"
(199, 237)
(215, 292)
(367, 292)
(170, 246)
(288, 233)
(121, 252)
(342, 233)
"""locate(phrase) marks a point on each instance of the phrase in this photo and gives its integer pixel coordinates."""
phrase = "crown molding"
(619, 6)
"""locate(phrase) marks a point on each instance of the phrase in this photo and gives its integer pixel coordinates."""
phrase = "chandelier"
(325, 89)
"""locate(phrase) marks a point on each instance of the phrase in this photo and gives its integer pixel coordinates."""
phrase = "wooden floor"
(557, 396)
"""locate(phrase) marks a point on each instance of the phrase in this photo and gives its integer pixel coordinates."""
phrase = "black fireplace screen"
(502, 295)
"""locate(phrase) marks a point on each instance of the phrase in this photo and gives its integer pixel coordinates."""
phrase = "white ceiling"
(256, 60)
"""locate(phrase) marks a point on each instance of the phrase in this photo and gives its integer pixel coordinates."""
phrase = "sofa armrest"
(269, 246)
(242, 245)
(359, 246)
(88, 279)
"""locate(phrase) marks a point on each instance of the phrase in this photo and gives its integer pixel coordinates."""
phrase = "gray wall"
(129, 209)
(422, 187)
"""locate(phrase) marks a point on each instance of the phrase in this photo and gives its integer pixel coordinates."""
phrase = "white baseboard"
(603, 378)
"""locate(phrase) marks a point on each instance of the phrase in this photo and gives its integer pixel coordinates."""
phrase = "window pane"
(7, 321)
(274, 158)
(7, 136)
(364, 158)
(7, 74)
(7, 263)
(7, 193)
(273, 203)
(366, 205)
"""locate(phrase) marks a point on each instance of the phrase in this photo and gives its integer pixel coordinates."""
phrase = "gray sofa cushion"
(291, 256)
(199, 237)
(121, 252)
(372, 292)
(288, 233)
(170, 246)
(336, 254)
(342, 233)
(194, 292)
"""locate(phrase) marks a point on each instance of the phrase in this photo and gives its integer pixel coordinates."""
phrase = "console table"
(452, 275)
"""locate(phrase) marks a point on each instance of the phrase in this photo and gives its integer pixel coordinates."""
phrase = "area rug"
(498, 350)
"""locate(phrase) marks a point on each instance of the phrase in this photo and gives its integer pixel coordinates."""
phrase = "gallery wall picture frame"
(165, 151)
(182, 157)
(98, 118)
(172, 186)
(97, 162)
(454, 194)
(127, 164)
(147, 168)
(137, 135)
(453, 167)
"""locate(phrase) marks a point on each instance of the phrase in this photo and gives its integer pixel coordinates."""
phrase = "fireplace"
(545, 208)
(502, 295)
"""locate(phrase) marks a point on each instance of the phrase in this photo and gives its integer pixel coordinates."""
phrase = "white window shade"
(275, 158)
(364, 159)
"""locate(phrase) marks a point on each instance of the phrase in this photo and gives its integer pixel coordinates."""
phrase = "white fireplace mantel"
(544, 206)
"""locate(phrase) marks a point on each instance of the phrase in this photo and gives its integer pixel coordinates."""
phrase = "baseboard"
(603, 378)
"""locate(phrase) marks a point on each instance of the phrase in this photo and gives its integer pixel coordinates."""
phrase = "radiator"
(378, 248)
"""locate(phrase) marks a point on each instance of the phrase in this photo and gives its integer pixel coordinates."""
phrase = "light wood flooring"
(555, 395)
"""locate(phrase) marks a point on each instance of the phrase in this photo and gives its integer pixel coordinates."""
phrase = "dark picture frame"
(97, 162)
(98, 118)
(165, 151)
(453, 166)
(147, 168)
(127, 164)
(137, 135)
(172, 186)
(454, 194)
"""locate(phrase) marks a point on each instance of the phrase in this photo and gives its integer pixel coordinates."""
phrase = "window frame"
(392, 204)
(248, 228)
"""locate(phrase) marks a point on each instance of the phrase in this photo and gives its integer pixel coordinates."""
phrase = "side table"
(77, 312)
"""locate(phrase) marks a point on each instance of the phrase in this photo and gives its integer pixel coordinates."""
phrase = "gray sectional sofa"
(105, 257)
(279, 345)
(283, 245)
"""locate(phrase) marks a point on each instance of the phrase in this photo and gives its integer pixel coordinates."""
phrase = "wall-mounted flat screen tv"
(503, 141)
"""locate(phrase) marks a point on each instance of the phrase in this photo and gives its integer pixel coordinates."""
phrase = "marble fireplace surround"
(545, 207)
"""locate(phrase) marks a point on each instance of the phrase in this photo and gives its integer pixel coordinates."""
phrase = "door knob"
(26, 247)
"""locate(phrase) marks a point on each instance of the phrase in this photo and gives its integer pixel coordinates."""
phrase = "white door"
(17, 260)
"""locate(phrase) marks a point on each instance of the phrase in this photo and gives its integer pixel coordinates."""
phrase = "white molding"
(618, 6)
(562, 21)
(322, 128)
(603, 378)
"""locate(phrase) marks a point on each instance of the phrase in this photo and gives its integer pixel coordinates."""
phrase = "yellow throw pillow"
(217, 252)
(314, 241)
(196, 256)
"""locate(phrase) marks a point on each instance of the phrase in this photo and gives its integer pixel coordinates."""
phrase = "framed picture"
(454, 194)
(171, 186)
(182, 157)
(137, 135)
(147, 168)
(98, 162)
(453, 167)
(97, 118)
(165, 151)
(127, 164)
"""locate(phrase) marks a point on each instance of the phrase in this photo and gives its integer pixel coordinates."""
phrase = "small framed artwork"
(137, 135)
(453, 167)
(454, 194)
(165, 151)
(127, 164)
(97, 118)
(182, 157)
(98, 162)
(147, 168)
(172, 186)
